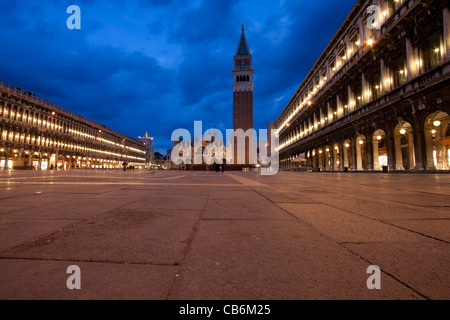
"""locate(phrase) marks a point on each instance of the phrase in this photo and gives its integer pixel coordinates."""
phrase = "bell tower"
(243, 93)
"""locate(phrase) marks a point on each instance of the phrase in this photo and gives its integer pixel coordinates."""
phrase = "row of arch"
(53, 121)
(381, 150)
(34, 139)
(40, 160)
(243, 78)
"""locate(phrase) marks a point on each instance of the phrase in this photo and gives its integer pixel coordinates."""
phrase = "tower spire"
(243, 49)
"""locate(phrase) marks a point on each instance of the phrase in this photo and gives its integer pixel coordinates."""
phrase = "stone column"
(376, 162)
(419, 146)
(390, 146)
(369, 152)
(411, 60)
(353, 154)
(411, 150)
(56, 160)
(322, 160)
(20, 158)
(343, 156)
(331, 157)
(365, 88)
(40, 161)
(362, 32)
(385, 86)
(6, 160)
(446, 18)
(398, 152)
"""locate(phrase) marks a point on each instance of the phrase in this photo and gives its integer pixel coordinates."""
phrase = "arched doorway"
(347, 155)
(26, 158)
(36, 160)
(60, 162)
(437, 140)
(337, 157)
(5, 163)
(404, 146)
(320, 159)
(361, 153)
(45, 162)
(327, 158)
(380, 156)
(15, 158)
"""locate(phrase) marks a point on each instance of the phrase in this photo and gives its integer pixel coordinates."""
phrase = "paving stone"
(203, 235)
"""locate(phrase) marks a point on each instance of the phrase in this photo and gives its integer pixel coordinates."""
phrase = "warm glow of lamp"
(370, 42)
(361, 142)
(402, 131)
(379, 138)
(437, 123)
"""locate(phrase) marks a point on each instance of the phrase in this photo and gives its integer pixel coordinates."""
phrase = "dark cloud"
(159, 65)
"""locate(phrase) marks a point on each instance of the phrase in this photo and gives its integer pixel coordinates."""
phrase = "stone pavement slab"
(290, 261)
(139, 236)
(46, 280)
(204, 235)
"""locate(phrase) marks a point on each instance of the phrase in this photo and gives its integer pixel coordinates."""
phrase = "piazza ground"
(206, 235)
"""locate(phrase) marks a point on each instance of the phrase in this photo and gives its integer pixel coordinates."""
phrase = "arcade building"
(36, 134)
(376, 99)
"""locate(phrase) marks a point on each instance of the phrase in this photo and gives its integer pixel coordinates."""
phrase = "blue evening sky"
(160, 65)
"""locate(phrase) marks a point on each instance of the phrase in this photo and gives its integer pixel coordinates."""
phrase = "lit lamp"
(402, 131)
(437, 123)
(379, 138)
